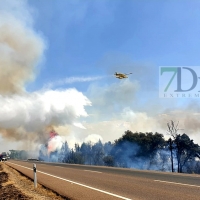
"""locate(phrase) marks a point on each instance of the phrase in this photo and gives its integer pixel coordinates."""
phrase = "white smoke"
(70, 80)
(35, 111)
(55, 144)
(93, 138)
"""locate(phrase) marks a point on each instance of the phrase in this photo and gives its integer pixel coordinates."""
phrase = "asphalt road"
(94, 182)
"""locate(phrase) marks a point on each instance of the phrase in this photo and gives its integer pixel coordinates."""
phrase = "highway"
(94, 182)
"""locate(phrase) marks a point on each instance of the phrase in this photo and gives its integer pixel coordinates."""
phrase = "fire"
(54, 143)
(52, 134)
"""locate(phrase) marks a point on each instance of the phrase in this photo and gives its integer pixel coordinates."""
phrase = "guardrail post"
(34, 175)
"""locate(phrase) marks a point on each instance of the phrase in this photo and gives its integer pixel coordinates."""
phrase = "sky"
(58, 60)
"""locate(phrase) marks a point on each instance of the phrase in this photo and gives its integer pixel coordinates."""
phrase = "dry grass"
(8, 183)
(25, 186)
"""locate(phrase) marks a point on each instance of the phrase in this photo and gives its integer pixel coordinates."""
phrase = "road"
(107, 183)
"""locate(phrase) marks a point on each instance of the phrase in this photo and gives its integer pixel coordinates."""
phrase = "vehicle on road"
(32, 159)
(3, 158)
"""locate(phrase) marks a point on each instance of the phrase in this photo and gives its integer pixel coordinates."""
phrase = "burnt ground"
(8, 190)
(15, 186)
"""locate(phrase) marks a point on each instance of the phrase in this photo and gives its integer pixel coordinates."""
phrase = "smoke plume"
(33, 112)
(21, 48)
(24, 115)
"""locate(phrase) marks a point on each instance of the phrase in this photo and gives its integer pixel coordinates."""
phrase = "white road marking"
(72, 182)
(177, 183)
(92, 171)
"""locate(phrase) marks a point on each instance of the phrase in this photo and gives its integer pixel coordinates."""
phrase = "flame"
(52, 134)
(54, 143)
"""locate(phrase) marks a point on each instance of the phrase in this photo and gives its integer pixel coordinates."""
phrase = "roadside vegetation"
(15, 186)
(149, 151)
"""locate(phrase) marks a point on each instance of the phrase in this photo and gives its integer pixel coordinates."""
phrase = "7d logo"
(177, 71)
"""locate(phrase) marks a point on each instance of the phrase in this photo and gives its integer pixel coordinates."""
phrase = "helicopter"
(121, 75)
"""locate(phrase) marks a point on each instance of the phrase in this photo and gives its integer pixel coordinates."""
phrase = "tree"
(173, 132)
(186, 150)
(132, 146)
(78, 157)
(23, 155)
(65, 152)
(108, 161)
(197, 167)
(75, 156)
(18, 154)
(149, 143)
(12, 154)
(170, 142)
(107, 148)
(86, 150)
(43, 153)
(98, 153)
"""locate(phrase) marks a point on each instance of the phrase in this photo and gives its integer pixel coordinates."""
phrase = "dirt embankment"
(15, 186)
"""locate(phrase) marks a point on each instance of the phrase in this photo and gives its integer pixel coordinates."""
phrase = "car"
(32, 159)
(3, 158)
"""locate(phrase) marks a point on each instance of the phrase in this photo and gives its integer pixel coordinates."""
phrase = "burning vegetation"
(25, 115)
(146, 151)
(53, 149)
(132, 150)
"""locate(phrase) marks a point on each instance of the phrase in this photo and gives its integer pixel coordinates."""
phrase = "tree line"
(150, 151)
(136, 150)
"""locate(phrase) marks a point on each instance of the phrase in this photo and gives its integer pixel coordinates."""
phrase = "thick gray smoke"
(21, 48)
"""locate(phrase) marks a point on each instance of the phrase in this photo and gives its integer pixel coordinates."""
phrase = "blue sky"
(80, 34)
(95, 38)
